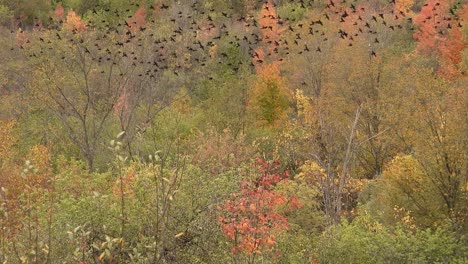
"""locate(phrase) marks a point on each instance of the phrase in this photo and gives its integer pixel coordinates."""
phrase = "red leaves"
(432, 27)
(138, 20)
(452, 48)
(59, 11)
(251, 218)
(439, 34)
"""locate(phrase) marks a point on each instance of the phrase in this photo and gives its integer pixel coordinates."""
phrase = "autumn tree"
(404, 191)
(439, 34)
(430, 128)
(361, 105)
(340, 123)
(98, 78)
(269, 97)
(441, 152)
(251, 218)
(27, 204)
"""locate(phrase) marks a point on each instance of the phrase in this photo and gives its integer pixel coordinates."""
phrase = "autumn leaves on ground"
(242, 131)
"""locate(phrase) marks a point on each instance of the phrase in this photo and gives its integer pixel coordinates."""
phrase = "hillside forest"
(233, 131)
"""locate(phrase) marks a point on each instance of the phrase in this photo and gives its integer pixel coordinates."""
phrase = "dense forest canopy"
(233, 131)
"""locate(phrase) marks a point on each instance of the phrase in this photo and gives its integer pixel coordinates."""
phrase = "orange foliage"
(463, 13)
(271, 34)
(438, 34)
(138, 20)
(432, 26)
(451, 51)
(251, 218)
(268, 23)
(33, 181)
(74, 23)
(271, 71)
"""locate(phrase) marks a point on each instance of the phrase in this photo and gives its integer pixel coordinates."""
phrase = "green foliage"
(5, 14)
(271, 103)
(28, 10)
(306, 223)
(292, 11)
(367, 241)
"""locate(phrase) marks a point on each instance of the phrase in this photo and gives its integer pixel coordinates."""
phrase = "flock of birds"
(197, 31)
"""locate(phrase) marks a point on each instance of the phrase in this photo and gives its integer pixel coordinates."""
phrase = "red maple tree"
(439, 34)
(251, 218)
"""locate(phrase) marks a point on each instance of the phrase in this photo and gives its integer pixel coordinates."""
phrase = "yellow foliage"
(7, 140)
(404, 6)
(311, 173)
(41, 171)
(305, 110)
(299, 130)
(404, 216)
(182, 102)
(40, 156)
(269, 97)
(7, 157)
(355, 185)
(406, 172)
(407, 194)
